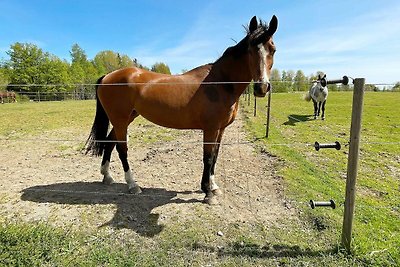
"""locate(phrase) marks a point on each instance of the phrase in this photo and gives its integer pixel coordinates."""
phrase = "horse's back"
(174, 101)
(160, 98)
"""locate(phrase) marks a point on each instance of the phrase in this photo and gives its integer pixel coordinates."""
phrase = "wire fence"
(82, 94)
(84, 91)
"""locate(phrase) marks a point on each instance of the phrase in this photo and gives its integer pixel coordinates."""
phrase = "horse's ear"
(253, 24)
(273, 26)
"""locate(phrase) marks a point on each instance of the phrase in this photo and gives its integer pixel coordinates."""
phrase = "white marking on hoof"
(213, 184)
(217, 192)
(107, 180)
(133, 188)
(210, 199)
(105, 170)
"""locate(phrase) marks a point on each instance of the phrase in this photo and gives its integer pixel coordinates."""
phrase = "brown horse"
(8, 95)
(205, 98)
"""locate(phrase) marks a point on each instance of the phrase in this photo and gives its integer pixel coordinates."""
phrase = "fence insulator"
(336, 145)
(344, 81)
(329, 203)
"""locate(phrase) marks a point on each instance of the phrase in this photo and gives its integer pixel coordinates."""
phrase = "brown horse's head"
(261, 53)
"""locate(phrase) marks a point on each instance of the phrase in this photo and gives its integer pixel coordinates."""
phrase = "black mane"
(253, 38)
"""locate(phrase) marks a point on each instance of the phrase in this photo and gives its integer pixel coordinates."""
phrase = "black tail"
(99, 128)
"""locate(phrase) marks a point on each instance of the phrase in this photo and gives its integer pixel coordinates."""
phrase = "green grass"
(66, 120)
(190, 243)
(309, 174)
(311, 241)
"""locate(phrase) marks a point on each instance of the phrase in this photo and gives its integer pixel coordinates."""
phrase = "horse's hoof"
(323, 118)
(108, 180)
(217, 192)
(211, 200)
(135, 190)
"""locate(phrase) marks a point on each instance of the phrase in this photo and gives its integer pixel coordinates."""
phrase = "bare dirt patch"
(55, 182)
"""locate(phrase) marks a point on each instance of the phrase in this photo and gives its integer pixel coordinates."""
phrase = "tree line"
(31, 69)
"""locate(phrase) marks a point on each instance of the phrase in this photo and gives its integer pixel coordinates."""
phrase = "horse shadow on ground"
(133, 211)
(250, 250)
(295, 118)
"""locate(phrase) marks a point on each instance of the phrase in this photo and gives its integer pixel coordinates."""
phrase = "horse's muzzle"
(261, 89)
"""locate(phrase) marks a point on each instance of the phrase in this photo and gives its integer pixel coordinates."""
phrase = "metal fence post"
(268, 113)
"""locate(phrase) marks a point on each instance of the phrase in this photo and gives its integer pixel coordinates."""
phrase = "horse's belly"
(319, 97)
(170, 118)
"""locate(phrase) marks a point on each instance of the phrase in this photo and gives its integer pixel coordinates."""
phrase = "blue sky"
(355, 38)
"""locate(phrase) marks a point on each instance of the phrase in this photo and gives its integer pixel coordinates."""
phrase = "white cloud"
(356, 46)
(203, 43)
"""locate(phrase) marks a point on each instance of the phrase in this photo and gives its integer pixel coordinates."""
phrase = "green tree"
(108, 61)
(25, 61)
(82, 73)
(371, 87)
(78, 55)
(275, 75)
(276, 82)
(4, 77)
(29, 65)
(40, 71)
(287, 80)
(54, 73)
(137, 64)
(161, 67)
(333, 87)
(396, 87)
(300, 81)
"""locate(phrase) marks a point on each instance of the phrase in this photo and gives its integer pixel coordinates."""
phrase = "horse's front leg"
(209, 158)
(323, 110)
(319, 108)
(213, 185)
(315, 109)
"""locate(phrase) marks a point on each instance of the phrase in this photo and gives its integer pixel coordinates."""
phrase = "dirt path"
(56, 183)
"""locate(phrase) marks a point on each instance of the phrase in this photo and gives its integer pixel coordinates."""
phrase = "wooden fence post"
(352, 163)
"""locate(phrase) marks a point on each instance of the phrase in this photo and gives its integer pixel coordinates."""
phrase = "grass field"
(310, 241)
(321, 175)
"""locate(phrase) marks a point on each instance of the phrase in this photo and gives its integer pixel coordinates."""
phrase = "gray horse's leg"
(319, 108)
(315, 109)
(323, 110)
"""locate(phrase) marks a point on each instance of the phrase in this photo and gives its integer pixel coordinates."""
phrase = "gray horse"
(318, 93)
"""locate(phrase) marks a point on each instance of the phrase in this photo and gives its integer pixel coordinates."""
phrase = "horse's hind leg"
(105, 164)
(323, 110)
(122, 148)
